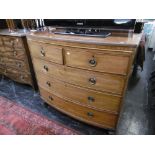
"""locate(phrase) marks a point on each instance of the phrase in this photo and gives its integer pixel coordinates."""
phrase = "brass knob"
(91, 99)
(42, 52)
(92, 62)
(51, 98)
(92, 81)
(45, 67)
(90, 114)
(48, 83)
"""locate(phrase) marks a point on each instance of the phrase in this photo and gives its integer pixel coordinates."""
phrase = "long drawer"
(17, 64)
(98, 118)
(46, 51)
(86, 97)
(1, 41)
(2, 69)
(84, 78)
(2, 49)
(18, 76)
(97, 60)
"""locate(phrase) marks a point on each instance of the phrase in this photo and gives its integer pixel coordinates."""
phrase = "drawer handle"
(92, 81)
(90, 114)
(5, 71)
(91, 99)
(42, 52)
(17, 40)
(51, 98)
(48, 83)
(12, 42)
(14, 53)
(19, 65)
(92, 62)
(45, 67)
(22, 77)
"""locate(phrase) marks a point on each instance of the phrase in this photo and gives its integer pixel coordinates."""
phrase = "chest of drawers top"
(115, 42)
(17, 33)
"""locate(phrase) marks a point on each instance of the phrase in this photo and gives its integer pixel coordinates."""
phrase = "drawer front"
(18, 76)
(97, 61)
(89, 79)
(88, 115)
(2, 61)
(15, 54)
(2, 49)
(46, 52)
(86, 97)
(2, 69)
(1, 41)
(19, 65)
(13, 42)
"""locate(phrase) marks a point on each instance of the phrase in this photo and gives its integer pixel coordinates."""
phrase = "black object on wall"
(18, 23)
(138, 27)
(3, 24)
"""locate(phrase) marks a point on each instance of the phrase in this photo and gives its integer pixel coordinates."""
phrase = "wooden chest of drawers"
(15, 61)
(86, 81)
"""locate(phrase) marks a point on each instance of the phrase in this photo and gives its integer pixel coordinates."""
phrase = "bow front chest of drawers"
(83, 77)
(15, 61)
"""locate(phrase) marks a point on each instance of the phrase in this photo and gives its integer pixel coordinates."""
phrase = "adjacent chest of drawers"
(85, 82)
(15, 61)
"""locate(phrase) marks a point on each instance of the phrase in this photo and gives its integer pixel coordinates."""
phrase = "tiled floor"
(137, 115)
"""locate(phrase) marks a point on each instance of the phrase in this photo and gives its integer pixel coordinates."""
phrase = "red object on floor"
(18, 120)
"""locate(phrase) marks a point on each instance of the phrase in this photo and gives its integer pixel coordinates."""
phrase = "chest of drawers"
(85, 81)
(15, 61)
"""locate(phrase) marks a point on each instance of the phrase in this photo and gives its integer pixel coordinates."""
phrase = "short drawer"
(86, 97)
(97, 61)
(17, 64)
(13, 42)
(15, 54)
(2, 69)
(97, 118)
(18, 76)
(1, 41)
(2, 61)
(46, 51)
(2, 49)
(94, 80)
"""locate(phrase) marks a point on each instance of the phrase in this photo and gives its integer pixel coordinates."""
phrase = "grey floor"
(137, 115)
